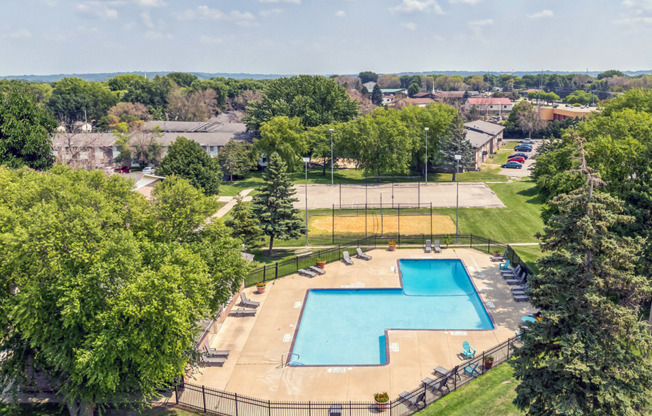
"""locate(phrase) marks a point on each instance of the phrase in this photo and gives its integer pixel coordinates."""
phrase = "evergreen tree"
(188, 160)
(273, 207)
(589, 355)
(455, 144)
(243, 224)
(377, 95)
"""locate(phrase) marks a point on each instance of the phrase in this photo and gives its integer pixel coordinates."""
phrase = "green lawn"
(489, 395)
(529, 254)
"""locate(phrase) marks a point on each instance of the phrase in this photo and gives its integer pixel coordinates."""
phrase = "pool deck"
(258, 343)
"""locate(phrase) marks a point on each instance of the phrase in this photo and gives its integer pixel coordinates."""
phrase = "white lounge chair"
(317, 270)
(428, 247)
(437, 247)
(307, 272)
(247, 303)
(242, 312)
(346, 258)
(362, 255)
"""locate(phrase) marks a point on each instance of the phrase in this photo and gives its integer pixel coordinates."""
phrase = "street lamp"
(426, 168)
(331, 130)
(306, 160)
(457, 198)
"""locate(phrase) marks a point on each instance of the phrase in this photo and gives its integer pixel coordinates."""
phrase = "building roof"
(423, 95)
(449, 94)
(83, 139)
(419, 101)
(484, 127)
(529, 90)
(219, 138)
(392, 90)
(489, 101)
(477, 138)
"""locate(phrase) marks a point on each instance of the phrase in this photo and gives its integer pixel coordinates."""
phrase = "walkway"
(231, 203)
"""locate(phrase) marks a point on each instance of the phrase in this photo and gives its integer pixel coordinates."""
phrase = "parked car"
(518, 159)
(511, 165)
(148, 170)
(523, 155)
(523, 148)
(122, 169)
(526, 141)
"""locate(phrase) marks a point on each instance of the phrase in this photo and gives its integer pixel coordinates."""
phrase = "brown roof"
(417, 101)
(441, 95)
(489, 101)
(484, 127)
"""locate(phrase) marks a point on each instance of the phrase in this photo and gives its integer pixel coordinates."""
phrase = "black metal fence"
(307, 259)
(223, 403)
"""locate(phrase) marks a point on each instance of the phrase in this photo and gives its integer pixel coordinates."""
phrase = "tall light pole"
(331, 130)
(457, 198)
(426, 168)
(306, 160)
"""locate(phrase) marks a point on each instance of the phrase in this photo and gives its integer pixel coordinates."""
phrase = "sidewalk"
(226, 208)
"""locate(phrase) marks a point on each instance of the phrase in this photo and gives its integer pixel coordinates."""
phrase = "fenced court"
(417, 194)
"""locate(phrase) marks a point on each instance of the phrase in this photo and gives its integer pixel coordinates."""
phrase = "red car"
(518, 159)
(121, 169)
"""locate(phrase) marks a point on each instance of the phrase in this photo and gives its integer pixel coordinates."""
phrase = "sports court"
(380, 223)
(441, 195)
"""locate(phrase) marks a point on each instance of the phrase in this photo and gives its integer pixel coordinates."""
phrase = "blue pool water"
(347, 326)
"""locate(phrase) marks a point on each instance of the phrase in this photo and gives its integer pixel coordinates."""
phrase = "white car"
(148, 170)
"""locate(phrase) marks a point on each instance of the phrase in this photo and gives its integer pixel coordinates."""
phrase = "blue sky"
(323, 37)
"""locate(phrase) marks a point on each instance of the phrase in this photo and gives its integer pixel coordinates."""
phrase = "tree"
(581, 97)
(589, 353)
(122, 135)
(377, 95)
(237, 158)
(282, 135)
(184, 105)
(368, 76)
(455, 143)
(318, 140)
(182, 79)
(146, 147)
(610, 73)
(524, 118)
(244, 226)
(314, 100)
(25, 131)
(389, 81)
(74, 99)
(273, 205)
(413, 89)
(187, 159)
(103, 290)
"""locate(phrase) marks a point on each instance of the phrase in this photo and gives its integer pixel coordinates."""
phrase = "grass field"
(489, 395)
(529, 254)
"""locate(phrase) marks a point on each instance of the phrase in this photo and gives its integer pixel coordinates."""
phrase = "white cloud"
(340, 13)
(438, 38)
(412, 6)
(476, 26)
(17, 34)
(410, 26)
(464, 1)
(150, 3)
(541, 14)
(206, 13)
(638, 4)
(146, 17)
(270, 12)
(281, 1)
(210, 40)
(97, 9)
(154, 35)
(634, 21)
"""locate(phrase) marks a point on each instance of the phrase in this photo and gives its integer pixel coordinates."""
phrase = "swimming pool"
(347, 326)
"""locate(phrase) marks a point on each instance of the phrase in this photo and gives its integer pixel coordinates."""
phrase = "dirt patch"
(410, 224)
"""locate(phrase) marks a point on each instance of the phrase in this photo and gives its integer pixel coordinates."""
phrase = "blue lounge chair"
(504, 266)
(472, 370)
(467, 350)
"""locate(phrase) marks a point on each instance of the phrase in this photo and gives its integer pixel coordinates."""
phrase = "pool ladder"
(289, 355)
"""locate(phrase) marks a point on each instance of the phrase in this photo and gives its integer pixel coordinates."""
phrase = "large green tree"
(74, 99)
(186, 158)
(283, 135)
(244, 225)
(237, 158)
(455, 143)
(314, 99)
(589, 355)
(102, 290)
(377, 95)
(25, 131)
(273, 205)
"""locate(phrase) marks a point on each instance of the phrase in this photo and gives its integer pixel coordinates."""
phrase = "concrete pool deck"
(258, 343)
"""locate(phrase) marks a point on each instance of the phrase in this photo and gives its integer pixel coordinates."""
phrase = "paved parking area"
(258, 344)
(525, 170)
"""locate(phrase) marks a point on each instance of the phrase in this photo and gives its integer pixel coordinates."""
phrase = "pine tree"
(377, 95)
(455, 144)
(243, 224)
(589, 355)
(273, 207)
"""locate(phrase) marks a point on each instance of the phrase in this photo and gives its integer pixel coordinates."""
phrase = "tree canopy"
(237, 158)
(283, 135)
(25, 131)
(187, 159)
(314, 100)
(74, 99)
(102, 289)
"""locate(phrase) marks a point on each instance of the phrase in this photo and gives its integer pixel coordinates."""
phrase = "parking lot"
(525, 170)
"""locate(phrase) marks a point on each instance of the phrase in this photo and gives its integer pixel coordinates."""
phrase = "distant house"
(84, 150)
(452, 98)
(489, 105)
(419, 102)
(145, 185)
(528, 91)
(485, 138)
(564, 113)
(430, 95)
(390, 95)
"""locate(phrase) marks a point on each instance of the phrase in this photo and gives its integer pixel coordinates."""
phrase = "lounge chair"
(216, 353)
(242, 312)
(428, 247)
(472, 370)
(335, 410)
(307, 272)
(504, 266)
(499, 258)
(518, 336)
(317, 270)
(506, 273)
(437, 385)
(467, 350)
(209, 361)
(362, 255)
(521, 280)
(414, 399)
(521, 298)
(247, 303)
(437, 247)
(346, 258)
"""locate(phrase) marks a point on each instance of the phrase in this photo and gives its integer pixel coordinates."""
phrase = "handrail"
(289, 354)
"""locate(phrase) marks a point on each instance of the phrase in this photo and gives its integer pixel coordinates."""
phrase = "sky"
(323, 36)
